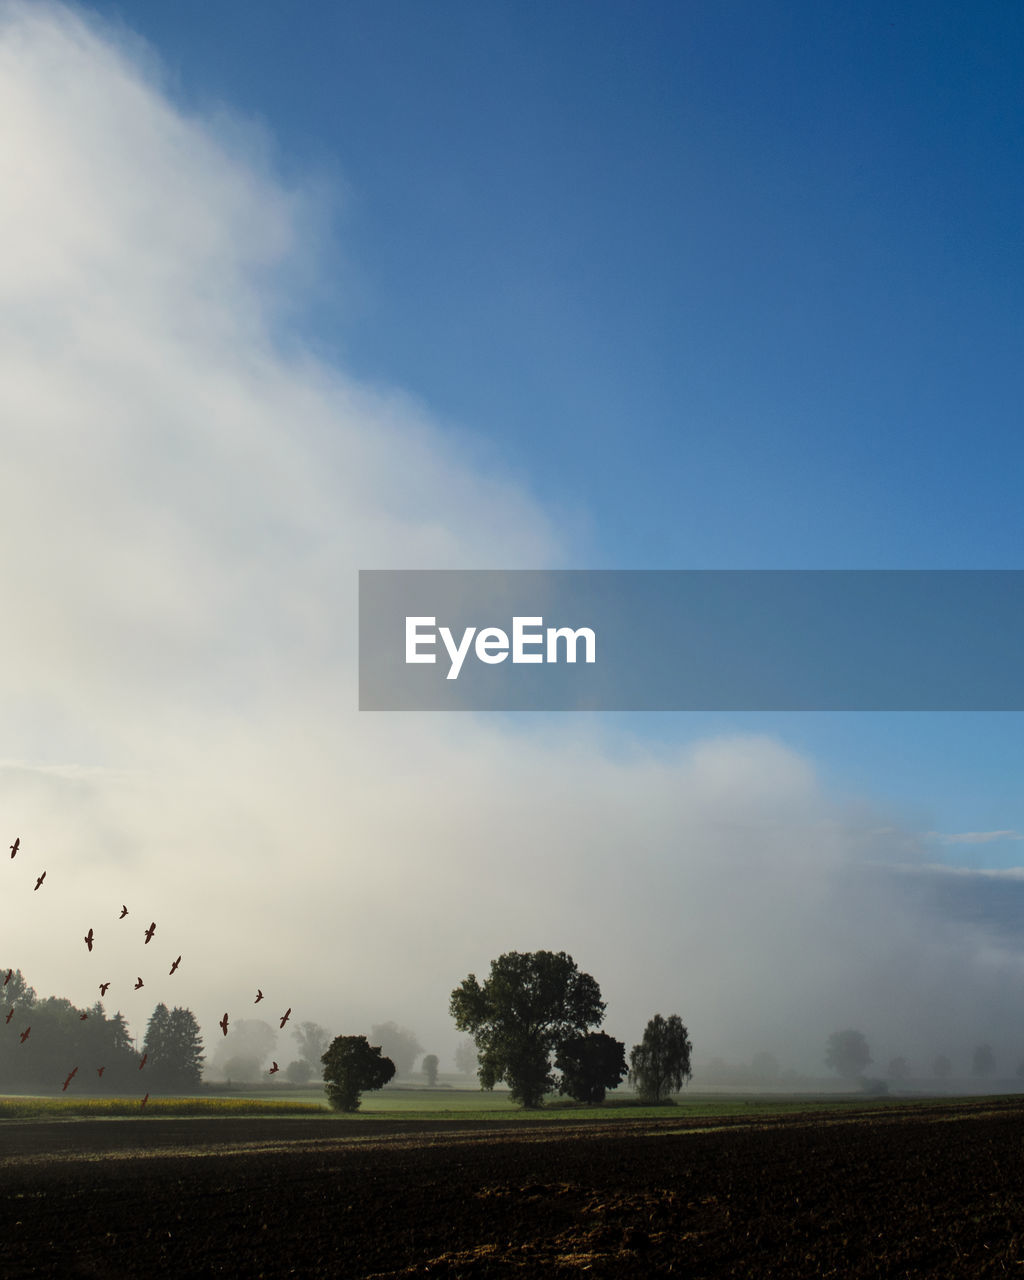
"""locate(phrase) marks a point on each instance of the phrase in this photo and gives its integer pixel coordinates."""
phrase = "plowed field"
(929, 1191)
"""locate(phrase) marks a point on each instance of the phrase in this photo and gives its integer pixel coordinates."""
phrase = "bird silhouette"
(259, 996)
(100, 1070)
(16, 846)
(138, 983)
(274, 1068)
(24, 1034)
(175, 965)
(143, 1062)
(82, 1017)
(89, 939)
(223, 1024)
(103, 988)
(10, 1014)
(10, 975)
(71, 1076)
(149, 932)
(124, 912)
(41, 879)
(145, 1100)
(286, 1017)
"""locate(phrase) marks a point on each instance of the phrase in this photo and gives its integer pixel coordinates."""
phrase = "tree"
(299, 1072)
(399, 1043)
(530, 1004)
(983, 1062)
(174, 1047)
(466, 1061)
(244, 1052)
(848, 1054)
(660, 1063)
(430, 1069)
(589, 1065)
(312, 1040)
(352, 1066)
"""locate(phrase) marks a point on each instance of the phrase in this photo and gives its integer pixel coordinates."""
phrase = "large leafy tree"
(660, 1063)
(590, 1065)
(351, 1066)
(531, 1003)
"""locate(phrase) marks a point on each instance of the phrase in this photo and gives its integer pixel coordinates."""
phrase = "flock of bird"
(90, 939)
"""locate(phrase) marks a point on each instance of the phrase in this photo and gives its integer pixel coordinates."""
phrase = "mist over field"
(188, 493)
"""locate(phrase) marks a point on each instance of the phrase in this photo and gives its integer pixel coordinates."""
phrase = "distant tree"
(465, 1057)
(174, 1046)
(983, 1061)
(848, 1054)
(899, 1069)
(17, 991)
(430, 1063)
(299, 1072)
(351, 1067)
(312, 1040)
(660, 1063)
(590, 1065)
(942, 1067)
(400, 1045)
(531, 1003)
(245, 1051)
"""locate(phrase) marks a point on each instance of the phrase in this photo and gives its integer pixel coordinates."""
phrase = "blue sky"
(293, 291)
(723, 287)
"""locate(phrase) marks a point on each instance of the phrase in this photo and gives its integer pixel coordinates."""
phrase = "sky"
(290, 294)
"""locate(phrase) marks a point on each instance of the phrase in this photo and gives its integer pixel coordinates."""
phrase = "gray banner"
(691, 640)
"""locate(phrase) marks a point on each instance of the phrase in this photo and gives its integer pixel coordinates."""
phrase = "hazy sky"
(512, 285)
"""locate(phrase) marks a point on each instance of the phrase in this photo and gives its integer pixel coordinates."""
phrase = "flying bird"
(103, 988)
(71, 1076)
(89, 939)
(175, 965)
(41, 879)
(223, 1024)
(259, 996)
(124, 912)
(10, 975)
(10, 1014)
(145, 1100)
(100, 1070)
(24, 1034)
(274, 1068)
(139, 983)
(82, 1017)
(149, 932)
(143, 1062)
(16, 846)
(286, 1017)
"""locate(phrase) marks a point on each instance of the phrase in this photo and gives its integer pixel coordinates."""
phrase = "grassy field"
(443, 1105)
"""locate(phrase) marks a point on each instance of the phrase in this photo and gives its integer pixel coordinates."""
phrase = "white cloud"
(185, 503)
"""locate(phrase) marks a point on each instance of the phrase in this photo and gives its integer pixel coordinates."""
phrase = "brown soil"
(923, 1192)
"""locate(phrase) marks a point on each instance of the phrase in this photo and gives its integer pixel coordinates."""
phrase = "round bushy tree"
(590, 1065)
(351, 1067)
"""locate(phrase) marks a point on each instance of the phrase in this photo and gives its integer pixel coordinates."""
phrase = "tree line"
(532, 1021)
(42, 1040)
